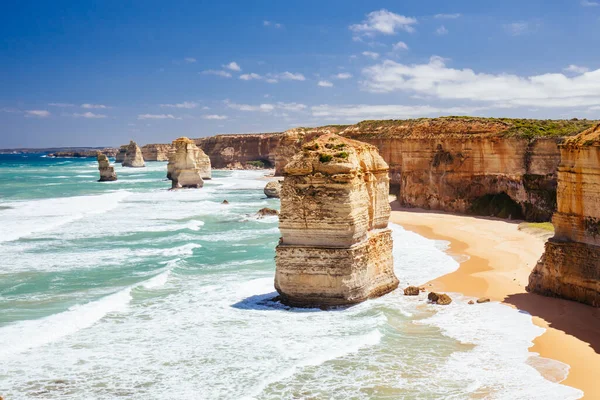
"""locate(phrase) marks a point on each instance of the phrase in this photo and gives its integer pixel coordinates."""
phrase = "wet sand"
(500, 259)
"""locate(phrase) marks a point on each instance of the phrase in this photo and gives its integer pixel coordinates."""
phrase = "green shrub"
(325, 157)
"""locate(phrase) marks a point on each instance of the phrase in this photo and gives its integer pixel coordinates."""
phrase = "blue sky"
(95, 73)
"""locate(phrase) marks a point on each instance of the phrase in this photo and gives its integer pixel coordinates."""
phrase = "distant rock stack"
(335, 247)
(133, 156)
(121, 154)
(107, 171)
(570, 265)
(187, 165)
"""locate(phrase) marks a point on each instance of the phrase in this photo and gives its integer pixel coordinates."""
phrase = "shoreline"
(500, 258)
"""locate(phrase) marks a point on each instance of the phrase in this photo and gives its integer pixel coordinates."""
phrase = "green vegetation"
(546, 226)
(257, 163)
(342, 154)
(325, 157)
(314, 146)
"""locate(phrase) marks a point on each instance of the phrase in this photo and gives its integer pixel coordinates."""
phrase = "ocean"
(128, 290)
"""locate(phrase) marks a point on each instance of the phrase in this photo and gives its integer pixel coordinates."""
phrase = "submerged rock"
(133, 156)
(483, 300)
(439, 298)
(225, 202)
(412, 291)
(273, 189)
(265, 212)
(334, 212)
(471, 302)
(107, 171)
(183, 167)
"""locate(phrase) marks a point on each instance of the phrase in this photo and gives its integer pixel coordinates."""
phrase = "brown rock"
(570, 265)
(225, 202)
(133, 156)
(183, 169)
(107, 171)
(334, 212)
(483, 300)
(156, 152)
(265, 212)
(412, 291)
(471, 302)
(439, 298)
(273, 189)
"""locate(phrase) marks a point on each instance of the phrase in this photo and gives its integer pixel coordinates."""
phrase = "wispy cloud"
(588, 3)
(251, 76)
(214, 117)
(343, 75)
(266, 107)
(517, 28)
(400, 46)
(325, 84)
(224, 74)
(384, 22)
(441, 31)
(157, 116)
(92, 106)
(576, 69)
(273, 78)
(88, 115)
(233, 66)
(189, 60)
(371, 54)
(185, 104)
(37, 113)
(447, 16)
(358, 112)
(273, 24)
(61, 105)
(291, 76)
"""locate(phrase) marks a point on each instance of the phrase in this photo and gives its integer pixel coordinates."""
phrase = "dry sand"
(500, 260)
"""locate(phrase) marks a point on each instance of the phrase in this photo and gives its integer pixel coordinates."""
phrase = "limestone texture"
(156, 152)
(412, 291)
(335, 247)
(273, 189)
(570, 265)
(187, 164)
(133, 156)
(107, 171)
(120, 156)
(439, 298)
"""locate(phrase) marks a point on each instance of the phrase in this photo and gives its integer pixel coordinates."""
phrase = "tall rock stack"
(107, 171)
(335, 247)
(133, 156)
(570, 266)
(121, 154)
(187, 165)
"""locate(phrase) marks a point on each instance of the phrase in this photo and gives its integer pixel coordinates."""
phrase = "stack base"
(325, 277)
(570, 270)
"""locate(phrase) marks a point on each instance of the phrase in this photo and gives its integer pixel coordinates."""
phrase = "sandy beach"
(500, 258)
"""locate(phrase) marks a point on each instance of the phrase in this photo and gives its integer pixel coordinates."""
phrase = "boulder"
(483, 300)
(265, 212)
(182, 169)
(133, 156)
(107, 171)
(412, 291)
(439, 298)
(273, 189)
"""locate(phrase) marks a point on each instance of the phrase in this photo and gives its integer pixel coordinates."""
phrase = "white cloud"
(364, 111)
(588, 3)
(447, 16)
(371, 54)
(89, 115)
(224, 74)
(291, 76)
(189, 60)
(92, 106)
(61, 104)
(441, 31)
(576, 69)
(37, 113)
(11, 110)
(517, 28)
(214, 116)
(251, 76)
(266, 107)
(325, 84)
(271, 23)
(343, 75)
(291, 106)
(384, 22)
(157, 116)
(233, 66)
(400, 46)
(435, 79)
(185, 104)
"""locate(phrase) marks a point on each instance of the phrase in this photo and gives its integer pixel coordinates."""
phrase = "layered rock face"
(273, 189)
(84, 153)
(120, 156)
(133, 156)
(570, 266)
(107, 171)
(156, 152)
(187, 165)
(247, 150)
(335, 247)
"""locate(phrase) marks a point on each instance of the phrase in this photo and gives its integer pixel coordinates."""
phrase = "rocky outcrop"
(267, 212)
(120, 156)
(439, 298)
(107, 171)
(570, 266)
(335, 247)
(133, 156)
(156, 152)
(412, 291)
(247, 150)
(273, 189)
(184, 168)
(84, 153)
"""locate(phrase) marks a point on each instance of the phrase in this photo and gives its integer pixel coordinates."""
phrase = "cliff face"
(570, 266)
(120, 156)
(226, 151)
(335, 246)
(133, 156)
(107, 171)
(156, 152)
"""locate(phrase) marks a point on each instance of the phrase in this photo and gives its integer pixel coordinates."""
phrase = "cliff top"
(460, 126)
(590, 137)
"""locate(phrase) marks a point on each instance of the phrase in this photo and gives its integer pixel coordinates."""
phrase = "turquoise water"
(128, 290)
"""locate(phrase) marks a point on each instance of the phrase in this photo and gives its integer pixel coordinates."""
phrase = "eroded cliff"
(156, 152)
(335, 247)
(570, 266)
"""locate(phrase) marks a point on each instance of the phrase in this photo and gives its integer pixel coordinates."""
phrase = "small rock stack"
(188, 165)
(133, 156)
(107, 171)
(335, 247)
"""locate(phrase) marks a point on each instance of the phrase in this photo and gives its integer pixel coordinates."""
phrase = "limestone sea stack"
(121, 154)
(273, 189)
(570, 265)
(335, 247)
(187, 165)
(133, 156)
(107, 171)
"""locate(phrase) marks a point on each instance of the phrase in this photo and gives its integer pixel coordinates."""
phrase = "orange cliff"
(570, 266)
